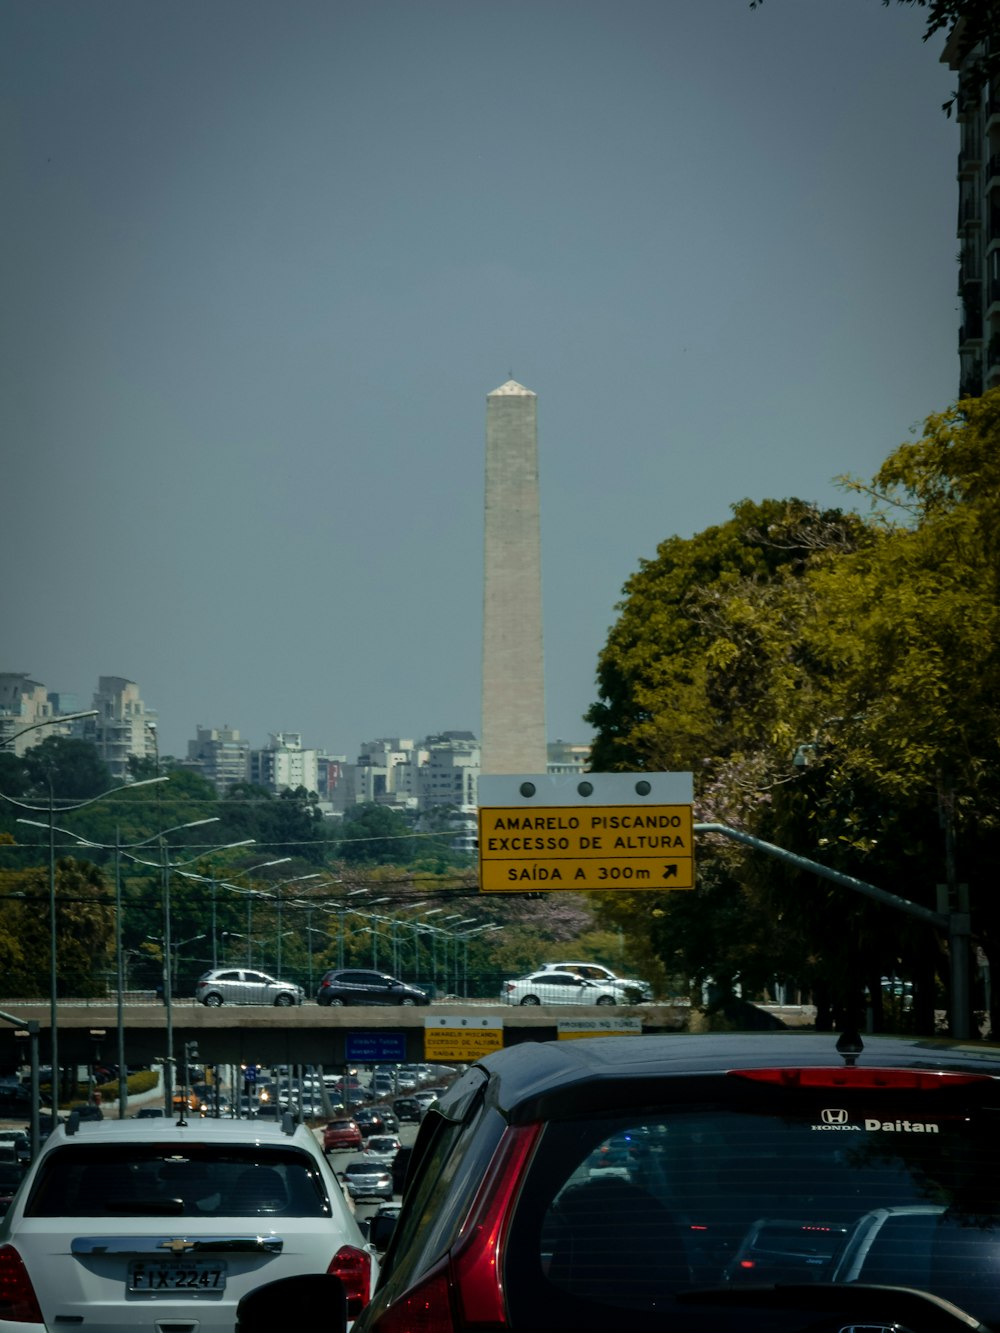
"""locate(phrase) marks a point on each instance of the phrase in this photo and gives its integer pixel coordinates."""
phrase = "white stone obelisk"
(513, 737)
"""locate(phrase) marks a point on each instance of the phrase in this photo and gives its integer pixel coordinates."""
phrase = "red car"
(341, 1134)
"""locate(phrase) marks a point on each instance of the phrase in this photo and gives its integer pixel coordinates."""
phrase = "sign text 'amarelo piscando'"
(585, 846)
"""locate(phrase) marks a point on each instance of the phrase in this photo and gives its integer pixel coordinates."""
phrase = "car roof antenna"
(850, 1046)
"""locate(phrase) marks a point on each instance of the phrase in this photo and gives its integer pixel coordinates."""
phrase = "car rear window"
(631, 1211)
(150, 1180)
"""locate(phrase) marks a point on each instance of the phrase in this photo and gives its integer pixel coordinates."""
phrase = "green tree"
(867, 649)
(373, 834)
(437, 853)
(705, 639)
(84, 929)
(72, 769)
(291, 824)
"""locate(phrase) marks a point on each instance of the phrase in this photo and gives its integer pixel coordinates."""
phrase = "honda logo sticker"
(835, 1117)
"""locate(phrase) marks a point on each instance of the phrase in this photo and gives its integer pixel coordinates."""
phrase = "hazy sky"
(266, 258)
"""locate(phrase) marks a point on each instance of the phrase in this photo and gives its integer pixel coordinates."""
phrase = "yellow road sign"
(585, 847)
(464, 1039)
(572, 1029)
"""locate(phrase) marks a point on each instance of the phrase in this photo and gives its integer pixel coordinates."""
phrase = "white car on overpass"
(631, 990)
(551, 987)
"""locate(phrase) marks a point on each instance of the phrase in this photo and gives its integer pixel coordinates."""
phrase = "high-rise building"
(124, 727)
(513, 734)
(568, 757)
(450, 773)
(221, 755)
(978, 114)
(23, 703)
(285, 765)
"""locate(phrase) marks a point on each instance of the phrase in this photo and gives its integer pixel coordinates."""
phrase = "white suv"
(141, 1225)
(630, 989)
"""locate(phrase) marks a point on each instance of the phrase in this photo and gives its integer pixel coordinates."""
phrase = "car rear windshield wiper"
(139, 1207)
(905, 1308)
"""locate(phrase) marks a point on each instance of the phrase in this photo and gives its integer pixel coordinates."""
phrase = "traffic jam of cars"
(754, 1182)
(170, 1221)
(744, 1182)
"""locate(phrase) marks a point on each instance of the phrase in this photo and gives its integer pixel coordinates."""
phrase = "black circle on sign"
(643, 788)
(585, 788)
(527, 789)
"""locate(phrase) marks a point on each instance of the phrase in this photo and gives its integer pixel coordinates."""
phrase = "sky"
(266, 258)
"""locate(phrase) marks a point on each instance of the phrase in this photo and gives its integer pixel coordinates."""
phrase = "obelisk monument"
(513, 736)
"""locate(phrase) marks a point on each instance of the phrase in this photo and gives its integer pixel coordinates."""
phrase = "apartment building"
(978, 115)
(385, 773)
(221, 756)
(23, 703)
(124, 727)
(450, 773)
(567, 757)
(285, 764)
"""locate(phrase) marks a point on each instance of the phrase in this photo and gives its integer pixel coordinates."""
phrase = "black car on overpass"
(355, 985)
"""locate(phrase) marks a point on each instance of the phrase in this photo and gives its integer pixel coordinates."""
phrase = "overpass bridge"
(308, 1034)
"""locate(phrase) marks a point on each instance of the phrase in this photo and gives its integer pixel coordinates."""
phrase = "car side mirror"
(266, 1308)
(380, 1231)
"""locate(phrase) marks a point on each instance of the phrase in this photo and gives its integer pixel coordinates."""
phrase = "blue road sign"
(368, 1048)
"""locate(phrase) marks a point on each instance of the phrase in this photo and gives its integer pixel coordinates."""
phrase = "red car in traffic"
(340, 1134)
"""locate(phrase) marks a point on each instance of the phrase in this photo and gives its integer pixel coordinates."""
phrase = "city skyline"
(73, 702)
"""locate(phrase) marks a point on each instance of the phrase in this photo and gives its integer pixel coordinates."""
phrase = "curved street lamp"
(117, 847)
(251, 893)
(46, 722)
(164, 865)
(53, 942)
(276, 889)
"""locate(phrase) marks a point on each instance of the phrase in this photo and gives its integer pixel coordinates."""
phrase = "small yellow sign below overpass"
(571, 1029)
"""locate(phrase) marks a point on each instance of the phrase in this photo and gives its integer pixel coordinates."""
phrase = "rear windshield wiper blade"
(140, 1207)
(907, 1306)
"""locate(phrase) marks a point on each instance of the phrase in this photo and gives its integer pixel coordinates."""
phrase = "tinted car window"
(156, 1181)
(452, 1165)
(625, 1212)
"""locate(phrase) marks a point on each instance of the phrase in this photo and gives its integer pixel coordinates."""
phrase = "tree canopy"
(833, 682)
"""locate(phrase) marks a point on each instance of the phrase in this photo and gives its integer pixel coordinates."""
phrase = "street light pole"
(55, 1082)
(165, 866)
(296, 879)
(261, 865)
(168, 986)
(120, 983)
(46, 722)
(49, 809)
